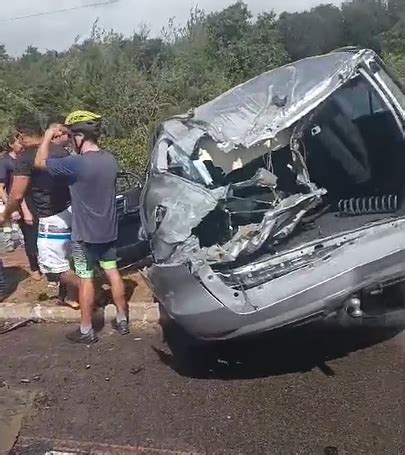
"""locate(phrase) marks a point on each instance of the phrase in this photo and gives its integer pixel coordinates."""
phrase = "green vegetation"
(136, 82)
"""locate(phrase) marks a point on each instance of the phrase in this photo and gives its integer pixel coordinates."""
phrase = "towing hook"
(353, 307)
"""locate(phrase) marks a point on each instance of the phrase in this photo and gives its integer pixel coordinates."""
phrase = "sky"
(58, 31)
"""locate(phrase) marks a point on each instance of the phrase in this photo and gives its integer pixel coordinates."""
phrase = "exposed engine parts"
(368, 205)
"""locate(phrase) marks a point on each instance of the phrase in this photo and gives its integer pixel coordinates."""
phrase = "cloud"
(58, 31)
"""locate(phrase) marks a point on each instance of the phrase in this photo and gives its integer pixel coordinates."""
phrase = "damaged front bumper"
(282, 290)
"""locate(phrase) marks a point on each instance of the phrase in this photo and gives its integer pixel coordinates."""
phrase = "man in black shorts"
(93, 175)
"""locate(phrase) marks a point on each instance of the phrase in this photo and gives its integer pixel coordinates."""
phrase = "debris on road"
(9, 326)
(137, 370)
(27, 380)
(331, 450)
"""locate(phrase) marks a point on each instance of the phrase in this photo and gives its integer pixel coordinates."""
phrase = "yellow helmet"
(78, 117)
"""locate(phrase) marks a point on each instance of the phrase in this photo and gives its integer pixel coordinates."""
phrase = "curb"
(139, 312)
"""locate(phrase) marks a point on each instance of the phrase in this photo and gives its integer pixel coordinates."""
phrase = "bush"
(131, 152)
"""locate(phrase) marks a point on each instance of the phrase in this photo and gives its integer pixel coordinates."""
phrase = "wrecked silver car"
(279, 201)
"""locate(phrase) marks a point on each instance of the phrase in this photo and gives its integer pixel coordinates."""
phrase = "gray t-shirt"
(93, 177)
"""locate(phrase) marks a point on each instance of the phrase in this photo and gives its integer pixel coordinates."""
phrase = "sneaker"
(122, 327)
(78, 337)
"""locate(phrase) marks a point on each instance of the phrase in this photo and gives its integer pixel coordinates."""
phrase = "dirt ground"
(22, 288)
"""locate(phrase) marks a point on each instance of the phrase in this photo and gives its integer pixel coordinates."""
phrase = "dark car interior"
(131, 249)
(355, 147)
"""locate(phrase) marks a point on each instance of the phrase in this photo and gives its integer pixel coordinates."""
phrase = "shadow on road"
(289, 351)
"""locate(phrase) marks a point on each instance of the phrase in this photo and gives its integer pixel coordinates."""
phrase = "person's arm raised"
(68, 166)
(44, 149)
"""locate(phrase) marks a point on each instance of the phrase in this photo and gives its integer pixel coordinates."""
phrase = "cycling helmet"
(78, 117)
(84, 122)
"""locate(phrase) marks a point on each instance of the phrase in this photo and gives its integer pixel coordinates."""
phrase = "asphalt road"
(305, 392)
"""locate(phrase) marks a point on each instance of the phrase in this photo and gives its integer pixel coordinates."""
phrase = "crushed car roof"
(271, 102)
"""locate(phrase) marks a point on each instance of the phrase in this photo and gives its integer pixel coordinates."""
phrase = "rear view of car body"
(281, 200)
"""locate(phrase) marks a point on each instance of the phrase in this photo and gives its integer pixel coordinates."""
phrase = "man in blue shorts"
(92, 174)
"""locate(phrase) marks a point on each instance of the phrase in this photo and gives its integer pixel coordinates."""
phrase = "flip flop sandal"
(69, 304)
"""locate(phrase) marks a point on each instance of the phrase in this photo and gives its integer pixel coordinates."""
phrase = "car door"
(131, 249)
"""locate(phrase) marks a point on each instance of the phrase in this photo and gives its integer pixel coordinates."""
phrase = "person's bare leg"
(35, 275)
(120, 301)
(69, 289)
(86, 300)
(30, 235)
(70, 279)
(118, 293)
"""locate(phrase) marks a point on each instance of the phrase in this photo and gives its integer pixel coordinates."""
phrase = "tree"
(394, 49)
(31, 55)
(364, 21)
(4, 57)
(312, 32)
(396, 9)
(243, 47)
(230, 25)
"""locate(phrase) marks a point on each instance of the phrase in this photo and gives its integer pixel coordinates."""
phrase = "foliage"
(312, 32)
(394, 49)
(130, 151)
(137, 81)
(364, 21)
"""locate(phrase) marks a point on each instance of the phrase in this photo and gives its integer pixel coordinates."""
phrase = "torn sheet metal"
(263, 178)
(276, 224)
(175, 206)
(262, 107)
